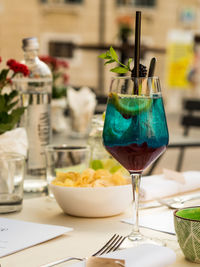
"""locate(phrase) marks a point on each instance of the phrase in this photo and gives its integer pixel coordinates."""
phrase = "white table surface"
(88, 235)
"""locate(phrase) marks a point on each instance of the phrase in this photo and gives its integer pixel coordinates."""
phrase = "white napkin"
(143, 256)
(81, 105)
(157, 186)
(14, 141)
(58, 120)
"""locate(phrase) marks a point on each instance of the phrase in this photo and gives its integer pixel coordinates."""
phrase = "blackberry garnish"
(142, 71)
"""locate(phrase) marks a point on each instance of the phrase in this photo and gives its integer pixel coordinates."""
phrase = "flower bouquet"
(12, 139)
(58, 68)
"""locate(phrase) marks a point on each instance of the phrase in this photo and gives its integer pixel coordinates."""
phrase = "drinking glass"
(12, 166)
(64, 158)
(135, 132)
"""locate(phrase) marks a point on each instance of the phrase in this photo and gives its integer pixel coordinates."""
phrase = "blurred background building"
(80, 30)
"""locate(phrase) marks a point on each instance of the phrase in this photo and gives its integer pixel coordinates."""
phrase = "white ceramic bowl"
(93, 201)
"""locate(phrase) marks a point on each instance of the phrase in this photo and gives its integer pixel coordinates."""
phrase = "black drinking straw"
(137, 43)
(135, 72)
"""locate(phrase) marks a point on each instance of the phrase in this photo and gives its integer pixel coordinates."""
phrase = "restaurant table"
(88, 235)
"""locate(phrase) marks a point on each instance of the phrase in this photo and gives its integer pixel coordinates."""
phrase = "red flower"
(11, 62)
(125, 20)
(54, 63)
(65, 78)
(23, 69)
(15, 68)
(64, 64)
(18, 67)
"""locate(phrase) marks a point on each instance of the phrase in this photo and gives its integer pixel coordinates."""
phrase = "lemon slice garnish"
(131, 104)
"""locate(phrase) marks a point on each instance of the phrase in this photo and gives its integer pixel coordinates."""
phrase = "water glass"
(64, 158)
(12, 166)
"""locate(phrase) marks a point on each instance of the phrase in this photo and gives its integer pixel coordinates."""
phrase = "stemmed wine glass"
(135, 132)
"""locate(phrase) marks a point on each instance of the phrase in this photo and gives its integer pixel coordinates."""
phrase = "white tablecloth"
(87, 237)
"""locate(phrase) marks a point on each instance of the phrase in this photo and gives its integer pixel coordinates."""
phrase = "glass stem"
(136, 178)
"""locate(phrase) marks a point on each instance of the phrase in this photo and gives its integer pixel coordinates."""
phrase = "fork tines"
(112, 245)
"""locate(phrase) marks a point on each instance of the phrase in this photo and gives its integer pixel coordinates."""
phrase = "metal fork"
(113, 244)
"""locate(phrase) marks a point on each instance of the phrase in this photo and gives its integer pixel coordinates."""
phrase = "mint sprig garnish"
(111, 57)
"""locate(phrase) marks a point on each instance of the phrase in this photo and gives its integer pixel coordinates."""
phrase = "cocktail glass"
(135, 133)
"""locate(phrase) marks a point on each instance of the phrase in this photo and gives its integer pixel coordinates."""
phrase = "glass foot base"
(35, 185)
(137, 240)
(10, 208)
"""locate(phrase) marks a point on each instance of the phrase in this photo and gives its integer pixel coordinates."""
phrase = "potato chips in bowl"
(89, 178)
(92, 193)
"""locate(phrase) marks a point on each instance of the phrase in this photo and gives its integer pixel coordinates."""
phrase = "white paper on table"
(16, 235)
(162, 222)
(143, 256)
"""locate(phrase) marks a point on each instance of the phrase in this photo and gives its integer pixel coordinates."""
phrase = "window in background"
(62, 46)
(61, 1)
(73, 1)
(141, 3)
(61, 49)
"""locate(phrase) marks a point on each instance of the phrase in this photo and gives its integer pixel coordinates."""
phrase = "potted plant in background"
(125, 24)
(59, 69)
(12, 138)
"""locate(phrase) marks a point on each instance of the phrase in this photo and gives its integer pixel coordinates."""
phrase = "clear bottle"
(98, 151)
(35, 95)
